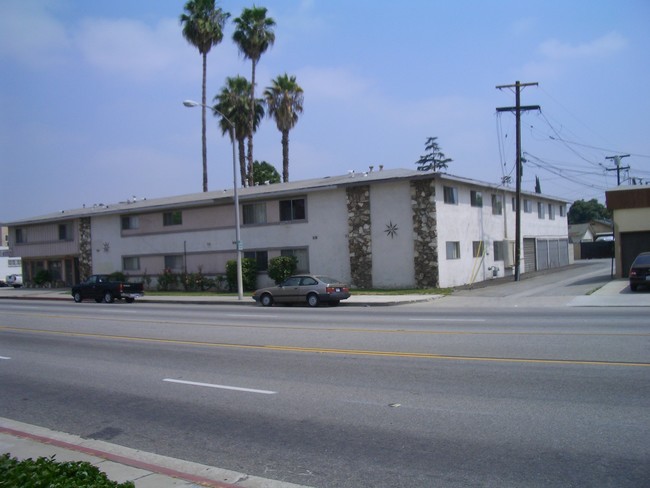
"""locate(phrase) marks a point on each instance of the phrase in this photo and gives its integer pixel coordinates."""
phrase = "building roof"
(261, 191)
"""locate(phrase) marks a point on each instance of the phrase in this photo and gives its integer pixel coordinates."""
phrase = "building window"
(562, 211)
(130, 222)
(173, 218)
(540, 210)
(478, 249)
(260, 257)
(302, 261)
(551, 211)
(450, 194)
(174, 262)
(20, 238)
(292, 209)
(476, 198)
(14, 263)
(131, 263)
(453, 250)
(254, 213)
(528, 206)
(514, 204)
(499, 251)
(497, 204)
(64, 232)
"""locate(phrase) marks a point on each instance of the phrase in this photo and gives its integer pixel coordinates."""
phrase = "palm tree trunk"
(242, 161)
(251, 126)
(285, 156)
(203, 122)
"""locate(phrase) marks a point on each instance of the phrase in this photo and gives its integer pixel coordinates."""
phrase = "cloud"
(30, 35)
(555, 50)
(558, 56)
(131, 48)
(332, 83)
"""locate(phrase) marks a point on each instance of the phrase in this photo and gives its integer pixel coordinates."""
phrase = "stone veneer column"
(425, 234)
(359, 235)
(85, 249)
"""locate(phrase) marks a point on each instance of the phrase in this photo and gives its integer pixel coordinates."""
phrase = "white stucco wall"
(391, 216)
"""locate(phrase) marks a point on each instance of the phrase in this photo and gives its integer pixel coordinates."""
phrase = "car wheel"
(266, 300)
(108, 297)
(312, 300)
(77, 297)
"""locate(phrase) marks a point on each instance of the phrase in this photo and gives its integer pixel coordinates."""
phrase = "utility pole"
(517, 109)
(618, 168)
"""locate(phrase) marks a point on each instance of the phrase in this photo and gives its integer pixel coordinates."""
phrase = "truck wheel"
(108, 297)
(312, 300)
(99, 300)
(77, 297)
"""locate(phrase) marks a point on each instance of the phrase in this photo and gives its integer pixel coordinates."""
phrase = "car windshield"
(645, 259)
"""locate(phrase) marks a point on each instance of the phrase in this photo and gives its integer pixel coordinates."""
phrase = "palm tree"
(284, 101)
(253, 35)
(203, 24)
(233, 102)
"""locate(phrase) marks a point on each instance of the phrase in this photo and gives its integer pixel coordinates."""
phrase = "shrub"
(46, 472)
(248, 271)
(43, 276)
(118, 276)
(167, 280)
(281, 267)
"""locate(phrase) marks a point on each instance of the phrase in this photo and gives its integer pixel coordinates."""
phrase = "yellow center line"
(319, 350)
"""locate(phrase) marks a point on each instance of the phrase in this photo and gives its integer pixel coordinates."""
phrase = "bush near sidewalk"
(47, 473)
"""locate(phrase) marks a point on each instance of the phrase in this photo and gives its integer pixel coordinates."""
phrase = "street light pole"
(238, 245)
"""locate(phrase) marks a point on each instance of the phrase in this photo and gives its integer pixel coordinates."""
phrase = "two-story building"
(377, 229)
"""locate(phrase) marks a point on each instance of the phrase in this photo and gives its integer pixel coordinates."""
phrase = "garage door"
(632, 243)
(529, 255)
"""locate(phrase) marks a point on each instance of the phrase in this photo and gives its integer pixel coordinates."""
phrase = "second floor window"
(540, 210)
(130, 222)
(528, 206)
(450, 194)
(173, 218)
(19, 236)
(476, 198)
(64, 232)
(292, 209)
(254, 213)
(497, 204)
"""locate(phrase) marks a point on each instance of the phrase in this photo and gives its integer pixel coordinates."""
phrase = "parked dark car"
(101, 289)
(309, 289)
(640, 271)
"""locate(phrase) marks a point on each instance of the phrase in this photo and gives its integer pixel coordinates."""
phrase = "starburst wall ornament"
(391, 229)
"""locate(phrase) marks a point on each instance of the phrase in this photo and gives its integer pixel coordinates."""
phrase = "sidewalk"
(121, 464)
(354, 300)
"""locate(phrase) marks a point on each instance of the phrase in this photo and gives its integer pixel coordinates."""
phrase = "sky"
(91, 94)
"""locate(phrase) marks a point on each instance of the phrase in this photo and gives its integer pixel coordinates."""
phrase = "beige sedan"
(309, 289)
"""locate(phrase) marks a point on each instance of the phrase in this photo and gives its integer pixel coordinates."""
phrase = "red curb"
(120, 459)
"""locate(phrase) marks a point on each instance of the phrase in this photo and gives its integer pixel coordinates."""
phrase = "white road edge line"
(222, 387)
(446, 320)
(4, 357)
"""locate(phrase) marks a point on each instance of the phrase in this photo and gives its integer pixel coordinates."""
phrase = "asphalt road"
(416, 395)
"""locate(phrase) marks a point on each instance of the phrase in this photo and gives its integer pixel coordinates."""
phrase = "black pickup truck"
(101, 289)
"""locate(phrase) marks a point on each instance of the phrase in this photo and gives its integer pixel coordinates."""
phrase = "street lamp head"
(191, 103)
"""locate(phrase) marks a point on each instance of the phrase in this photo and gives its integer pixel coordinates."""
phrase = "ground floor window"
(453, 249)
(260, 257)
(131, 263)
(174, 262)
(302, 258)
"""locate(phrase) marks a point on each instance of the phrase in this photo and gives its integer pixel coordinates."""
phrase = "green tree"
(263, 172)
(434, 159)
(284, 99)
(203, 24)
(233, 102)
(253, 35)
(281, 267)
(582, 212)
